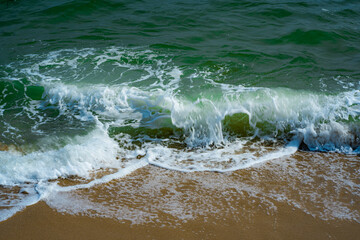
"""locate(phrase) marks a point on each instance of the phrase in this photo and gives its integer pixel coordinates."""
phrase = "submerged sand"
(305, 196)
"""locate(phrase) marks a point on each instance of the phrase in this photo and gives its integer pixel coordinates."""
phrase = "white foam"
(215, 160)
(18, 201)
(323, 122)
(201, 119)
(83, 155)
(314, 184)
(122, 172)
(80, 158)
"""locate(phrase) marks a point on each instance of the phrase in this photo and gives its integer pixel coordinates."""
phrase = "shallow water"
(93, 91)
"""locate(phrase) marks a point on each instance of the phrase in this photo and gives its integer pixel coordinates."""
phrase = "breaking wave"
(85, 112)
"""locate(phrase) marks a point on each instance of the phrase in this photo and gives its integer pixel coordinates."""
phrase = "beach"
(179, 119)
(204, 205)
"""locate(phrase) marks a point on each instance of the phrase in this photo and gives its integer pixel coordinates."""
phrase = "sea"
(94, 92)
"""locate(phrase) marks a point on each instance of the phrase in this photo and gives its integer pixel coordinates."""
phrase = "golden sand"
(204, 205)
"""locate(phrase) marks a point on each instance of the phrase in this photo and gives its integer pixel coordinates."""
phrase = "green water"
(290, 44)
(199, 73)
(204, 54)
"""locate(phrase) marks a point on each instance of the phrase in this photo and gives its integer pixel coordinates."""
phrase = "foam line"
(288, 150)
(8, 213)
(44, 190)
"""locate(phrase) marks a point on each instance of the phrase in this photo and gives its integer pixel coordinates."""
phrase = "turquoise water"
(184, 85)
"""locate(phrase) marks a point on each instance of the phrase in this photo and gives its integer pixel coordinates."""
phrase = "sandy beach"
(201, 205)
(41, 222)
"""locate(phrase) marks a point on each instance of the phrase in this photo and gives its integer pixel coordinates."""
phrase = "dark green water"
(185, 85)
(261, 43)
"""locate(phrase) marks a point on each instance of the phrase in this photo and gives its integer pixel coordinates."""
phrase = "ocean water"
(91, 91)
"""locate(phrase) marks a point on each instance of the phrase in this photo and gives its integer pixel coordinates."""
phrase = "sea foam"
(121, 109)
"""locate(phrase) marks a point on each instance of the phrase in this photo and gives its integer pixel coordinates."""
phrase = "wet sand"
(154, 203)
(41, 222)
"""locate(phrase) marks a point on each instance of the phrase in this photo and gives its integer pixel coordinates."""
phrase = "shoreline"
(228, 217)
